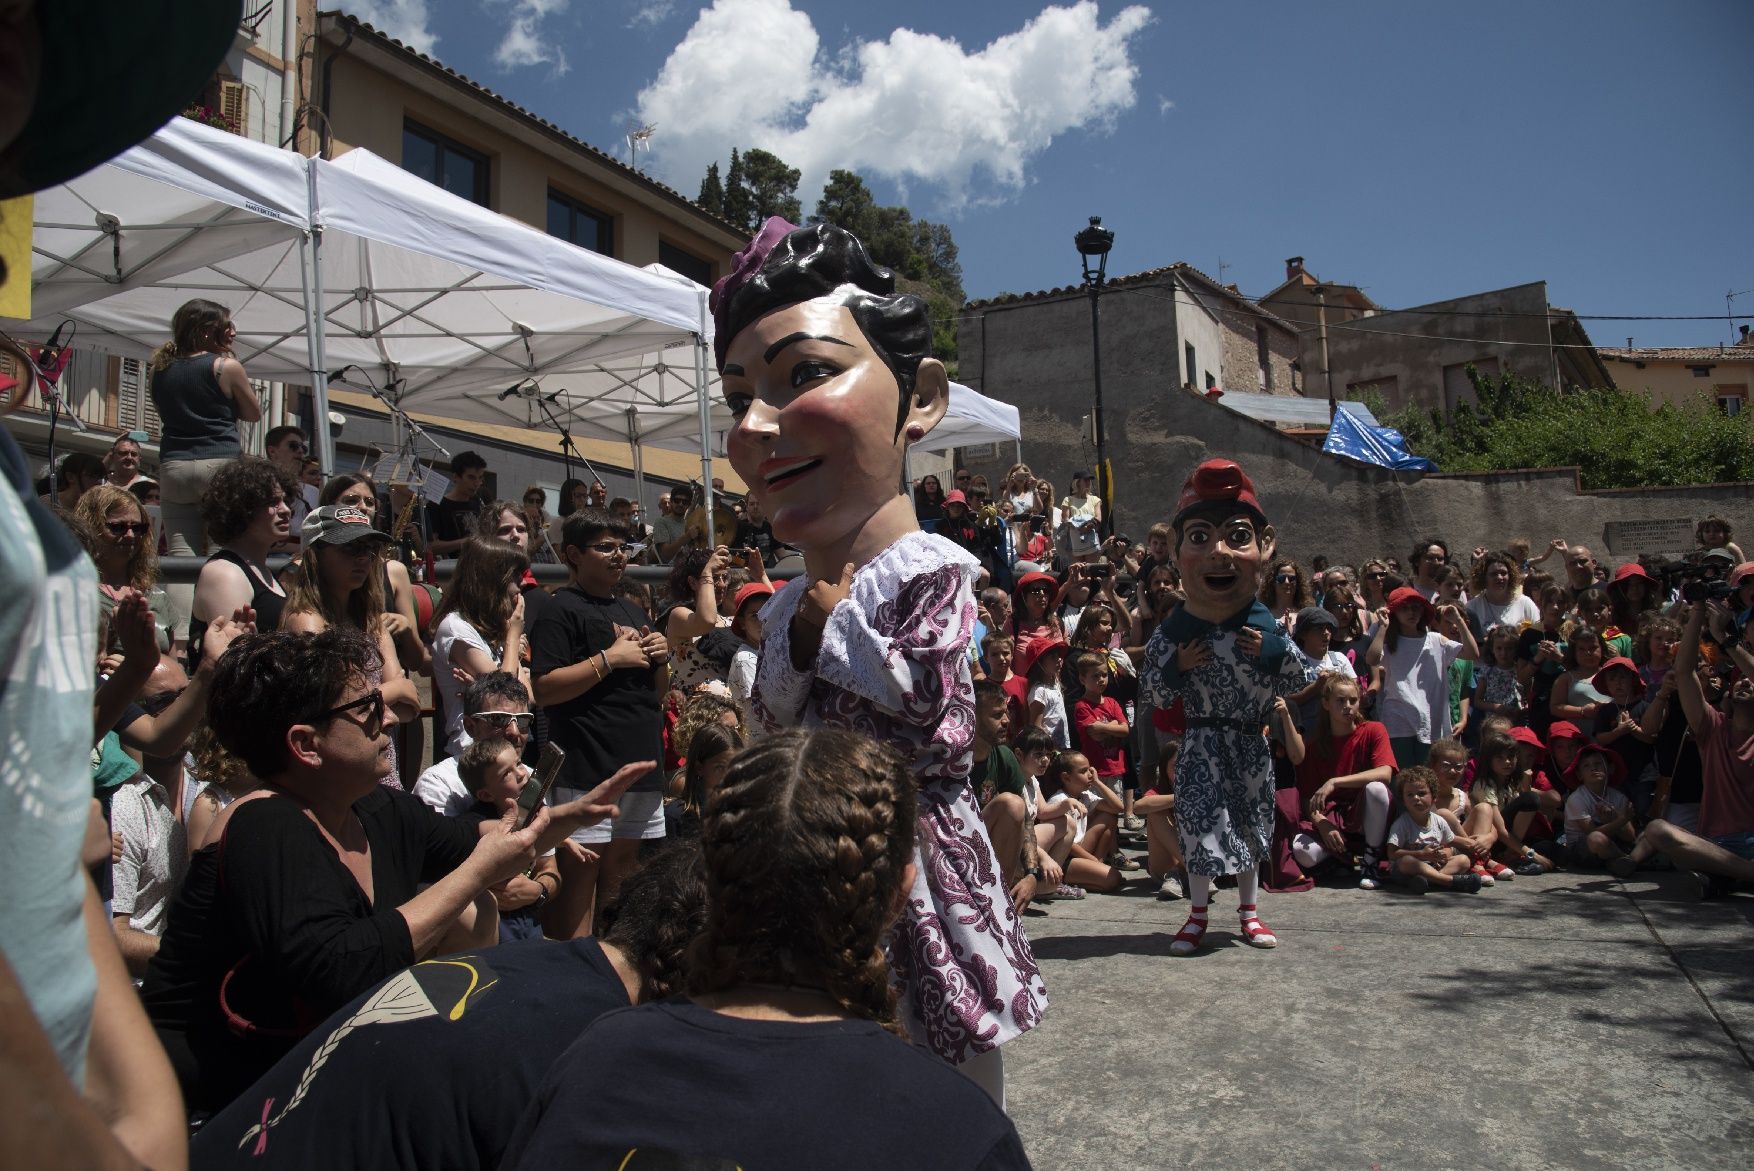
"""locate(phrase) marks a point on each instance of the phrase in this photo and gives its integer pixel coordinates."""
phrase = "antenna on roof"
(639, 137)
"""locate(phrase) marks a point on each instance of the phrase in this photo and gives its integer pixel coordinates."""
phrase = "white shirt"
(454, 631)
(1584, 811)
(1415, 698)
(741, 677)
(155, 854)
(443, 790)
(1407, 834)
(1520, 609)
(1053, 718)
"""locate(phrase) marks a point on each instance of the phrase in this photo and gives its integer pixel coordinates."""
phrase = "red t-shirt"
(1016, 706)
(1727, 806)
(1366, 748)
(1105, 756)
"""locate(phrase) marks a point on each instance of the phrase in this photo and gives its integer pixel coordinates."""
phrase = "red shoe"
(1498, 870)
(1190, 938)
(1483, 874)
(1256, 933)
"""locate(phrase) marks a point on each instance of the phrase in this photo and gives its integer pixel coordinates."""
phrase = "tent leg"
(639, 459)
(323, 441)
(706, 415)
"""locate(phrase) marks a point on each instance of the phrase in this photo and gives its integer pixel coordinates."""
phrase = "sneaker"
(1622, 867)
(1133, 821)
(1413, 884)
(1701, 885)
(1369, 881)
(1465, 884)
(1121, 862)
(1483, 874)
(1066, 891)
(1171, 889)
(1499, 871)
(1530, 866)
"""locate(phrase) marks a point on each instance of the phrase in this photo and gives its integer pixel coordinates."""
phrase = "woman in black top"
(247, 513)
(311, 891)
(201, 393)
(928, 501)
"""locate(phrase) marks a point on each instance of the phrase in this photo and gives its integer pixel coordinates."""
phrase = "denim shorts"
(1741, 845)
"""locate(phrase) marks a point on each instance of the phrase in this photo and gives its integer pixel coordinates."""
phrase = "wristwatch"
(1033, 872)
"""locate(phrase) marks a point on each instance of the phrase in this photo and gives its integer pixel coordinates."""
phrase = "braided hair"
(807, 844)
(658, 909)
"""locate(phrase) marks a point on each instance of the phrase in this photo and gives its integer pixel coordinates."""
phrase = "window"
(1731, 400)
(1700, 371)
(689, 265)
(1263, 357)
(444, 162)
(1193, 366)
(1210, 381)
(577, 224)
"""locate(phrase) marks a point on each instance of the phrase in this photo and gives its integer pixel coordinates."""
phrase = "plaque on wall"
(1628, 538)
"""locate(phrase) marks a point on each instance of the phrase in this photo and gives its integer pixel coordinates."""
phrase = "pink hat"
(1740, 572)
(1563, 730)
(954, 496)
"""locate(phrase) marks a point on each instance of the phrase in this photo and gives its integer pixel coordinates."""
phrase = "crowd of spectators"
(280, 862)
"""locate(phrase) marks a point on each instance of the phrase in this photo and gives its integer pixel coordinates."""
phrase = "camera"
(1098, 569)
(1705, 589)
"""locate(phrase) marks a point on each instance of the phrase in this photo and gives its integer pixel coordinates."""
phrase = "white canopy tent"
(352, 263)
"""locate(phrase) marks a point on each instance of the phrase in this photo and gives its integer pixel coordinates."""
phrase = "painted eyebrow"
(790, 338)
(732, 368)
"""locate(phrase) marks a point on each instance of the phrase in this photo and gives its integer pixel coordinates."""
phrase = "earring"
(915, 432)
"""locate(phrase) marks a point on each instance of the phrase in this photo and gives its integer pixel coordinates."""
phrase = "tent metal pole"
(323, 439)
(639, 458)
(706, 414)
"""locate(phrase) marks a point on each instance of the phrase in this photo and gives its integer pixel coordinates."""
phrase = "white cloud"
(650, 13)
(526, 41)
(913, 108)
(1164, 106)
(406, 20)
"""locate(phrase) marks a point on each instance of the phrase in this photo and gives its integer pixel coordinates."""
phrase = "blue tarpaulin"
(1352, 437)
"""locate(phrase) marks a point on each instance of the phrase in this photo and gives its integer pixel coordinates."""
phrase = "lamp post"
(1093, 244)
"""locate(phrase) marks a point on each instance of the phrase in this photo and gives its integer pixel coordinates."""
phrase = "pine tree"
(739, 206)
(712, 192)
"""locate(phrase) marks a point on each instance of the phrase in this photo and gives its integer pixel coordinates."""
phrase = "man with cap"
(84, 81)
(1220, 654)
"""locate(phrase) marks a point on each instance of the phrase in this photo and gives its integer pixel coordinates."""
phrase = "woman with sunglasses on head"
(126, 558)
(322, 882)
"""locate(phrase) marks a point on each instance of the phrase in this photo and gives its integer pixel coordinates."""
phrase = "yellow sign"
(15, 220)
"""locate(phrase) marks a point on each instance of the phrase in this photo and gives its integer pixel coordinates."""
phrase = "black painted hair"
(813, 262)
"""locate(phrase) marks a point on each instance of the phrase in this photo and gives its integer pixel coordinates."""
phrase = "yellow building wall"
(1675, 382)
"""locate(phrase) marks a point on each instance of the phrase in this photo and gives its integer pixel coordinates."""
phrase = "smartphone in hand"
(539, 782)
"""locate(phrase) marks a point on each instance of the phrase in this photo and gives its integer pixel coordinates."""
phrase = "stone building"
(1162, 331)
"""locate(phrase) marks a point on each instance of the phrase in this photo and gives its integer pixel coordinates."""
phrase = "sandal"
(1067, 891)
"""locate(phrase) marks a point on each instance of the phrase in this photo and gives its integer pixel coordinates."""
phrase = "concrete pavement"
(1569, 1020)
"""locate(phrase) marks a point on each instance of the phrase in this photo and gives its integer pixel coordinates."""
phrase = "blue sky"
(1420, 151)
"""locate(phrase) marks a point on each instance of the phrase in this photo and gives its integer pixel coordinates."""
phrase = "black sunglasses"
(372, 703)
(123, 528)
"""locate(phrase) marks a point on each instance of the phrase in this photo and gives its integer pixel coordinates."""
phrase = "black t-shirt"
(1546, 674)
(1677, 757)
(1634, 753)
(274, 905)
(675, 1085)
(617, 722)
(760, 536)
(432, 1068)
(454, 520)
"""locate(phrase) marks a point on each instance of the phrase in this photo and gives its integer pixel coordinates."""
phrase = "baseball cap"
(339, 524)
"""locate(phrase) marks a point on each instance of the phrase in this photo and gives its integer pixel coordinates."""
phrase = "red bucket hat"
(954, 496)
(755, 589)
(1218, 480)
(1628, 571)
(1617, 663)
(1029, 579)
(1563, 730)
(1406, 594)
(1616, 766)
(1035, 648)
(1527, 736)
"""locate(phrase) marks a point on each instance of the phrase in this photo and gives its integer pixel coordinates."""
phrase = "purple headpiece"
(743, 267)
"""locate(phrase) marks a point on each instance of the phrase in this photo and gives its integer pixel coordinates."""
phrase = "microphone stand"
(568, 449)
(396, 412)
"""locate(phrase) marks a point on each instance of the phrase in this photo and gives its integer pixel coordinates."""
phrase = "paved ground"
(1563, 1021)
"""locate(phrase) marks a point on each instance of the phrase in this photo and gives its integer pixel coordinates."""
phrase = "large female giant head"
(828, 372)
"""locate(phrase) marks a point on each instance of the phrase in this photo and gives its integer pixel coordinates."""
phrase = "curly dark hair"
(814, 261)
(237, 492)
(689, 563)
(266, 683)
(659, 909)
(807, 841)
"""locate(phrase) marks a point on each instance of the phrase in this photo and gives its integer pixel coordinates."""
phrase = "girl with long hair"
(808, 845)
(201, 394)
(928, 500)
(479, 626)
(1284, 592)
(708, 751)
(1343, 782)
(699, 579)
(1416, 660)
(1575, 696)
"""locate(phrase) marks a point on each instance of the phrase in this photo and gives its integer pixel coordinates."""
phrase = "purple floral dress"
(894, 665)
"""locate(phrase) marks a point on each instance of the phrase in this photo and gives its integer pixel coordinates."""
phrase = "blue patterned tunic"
(1224, 778)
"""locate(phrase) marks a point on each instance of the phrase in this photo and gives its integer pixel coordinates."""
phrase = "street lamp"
(1093, 244)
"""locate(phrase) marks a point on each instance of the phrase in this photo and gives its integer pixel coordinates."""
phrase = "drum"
(724, 526)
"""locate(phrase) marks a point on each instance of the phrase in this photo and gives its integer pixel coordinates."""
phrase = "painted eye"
(739, 404)
(810, 371)
(1240, 537)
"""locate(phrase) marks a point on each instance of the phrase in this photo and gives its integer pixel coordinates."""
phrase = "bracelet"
(604, 655)
(546, 892)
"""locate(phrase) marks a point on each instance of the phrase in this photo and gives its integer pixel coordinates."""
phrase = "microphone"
(551, 397)
(509, 391)
(337, 375)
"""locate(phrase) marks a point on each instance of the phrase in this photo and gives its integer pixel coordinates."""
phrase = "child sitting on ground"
(1163, 852)
(1449, 801)
(492, 771)
(1422, 850)
(1598, 816)
(1049, 822)
(1081, 851)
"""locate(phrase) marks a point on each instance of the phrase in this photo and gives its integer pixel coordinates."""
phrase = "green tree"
(738, 206)
(773, 188)
(1615, 438)
(846, 203)
(712, 191)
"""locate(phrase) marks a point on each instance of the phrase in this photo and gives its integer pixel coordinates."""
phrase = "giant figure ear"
(1268, 541)
(927, 404)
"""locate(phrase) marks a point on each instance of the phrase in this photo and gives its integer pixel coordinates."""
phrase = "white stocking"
(1248, 886)
(1376, 816)
(1200, 890)
(1308, 852)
